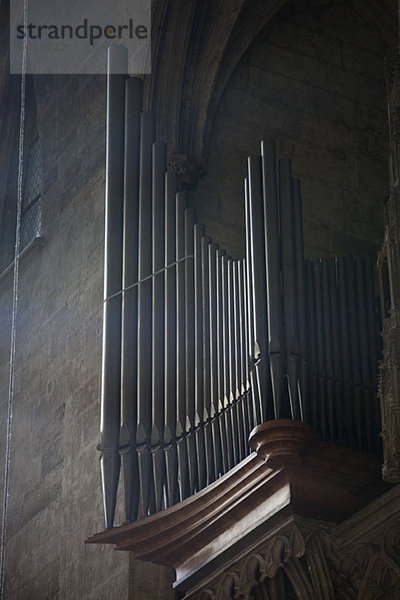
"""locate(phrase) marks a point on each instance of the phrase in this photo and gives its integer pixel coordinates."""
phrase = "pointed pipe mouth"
(110, 467)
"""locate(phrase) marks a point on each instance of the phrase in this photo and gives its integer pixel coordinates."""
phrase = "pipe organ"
(200, 347)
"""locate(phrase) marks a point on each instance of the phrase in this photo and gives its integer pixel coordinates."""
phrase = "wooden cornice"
(293, 473)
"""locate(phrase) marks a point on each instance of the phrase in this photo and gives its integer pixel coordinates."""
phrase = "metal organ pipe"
(111, 365)
(169, 354)
(190, 348)
(258, 275)
(206, 417)
(220, 254)
(198, 358)
(178, 449)
(216, 436)
(199, 347)
(300, 296)
(251, 348)
(144, 389)
(163, 204)
(289, 284)
(130, 467)
(273, 272)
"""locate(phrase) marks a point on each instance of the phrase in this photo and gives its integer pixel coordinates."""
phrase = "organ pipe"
(111, 369)
(133, 109)
(200, 347)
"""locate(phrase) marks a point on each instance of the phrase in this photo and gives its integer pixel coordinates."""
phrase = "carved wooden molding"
(369, 570)
(309, 560)
(293, 561)
(261, 517)
(364, 552)
(280, 551)
(389, 282)
(282, 442)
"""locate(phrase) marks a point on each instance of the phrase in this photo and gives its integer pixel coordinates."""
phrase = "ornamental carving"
(368, 570)
(188, 171)
(309, 562)
(275, 565)
(389, 283)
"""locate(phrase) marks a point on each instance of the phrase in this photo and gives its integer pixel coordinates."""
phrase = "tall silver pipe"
(248, 405)
(226, 355)
(237, 347)
(145, 314)
(246, 409)
(251, 358)
(199, 362)
(220, 359)
(205, 294)
(130, 467)
(289, 284)
(231, 332)
(190, 348)
(300, 295)
(240, 319)
(259, 284)
(178, 437)
(111, 363)
(161, 200)
(273, 270)
(216, 437)
(169, 356)
(232, 363)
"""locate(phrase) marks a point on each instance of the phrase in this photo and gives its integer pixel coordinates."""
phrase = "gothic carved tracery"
(389, 281)
(302, 563)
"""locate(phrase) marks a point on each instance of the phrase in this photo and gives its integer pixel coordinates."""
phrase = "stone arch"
(198, 45)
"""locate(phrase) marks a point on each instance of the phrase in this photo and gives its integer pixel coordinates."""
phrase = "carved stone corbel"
(187, 170)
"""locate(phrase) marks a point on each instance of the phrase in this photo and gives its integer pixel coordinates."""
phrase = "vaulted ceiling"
(197, 44)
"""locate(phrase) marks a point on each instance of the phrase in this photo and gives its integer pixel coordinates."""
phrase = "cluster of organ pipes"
(199, 348)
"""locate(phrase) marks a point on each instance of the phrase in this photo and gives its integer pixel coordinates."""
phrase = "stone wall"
(55, 500)
(313, 80)
(55, 497)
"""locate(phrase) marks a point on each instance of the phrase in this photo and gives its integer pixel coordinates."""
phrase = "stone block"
(362, 60)
(304, 41)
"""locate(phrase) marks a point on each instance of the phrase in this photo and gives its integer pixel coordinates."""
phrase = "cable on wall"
(7, 460)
